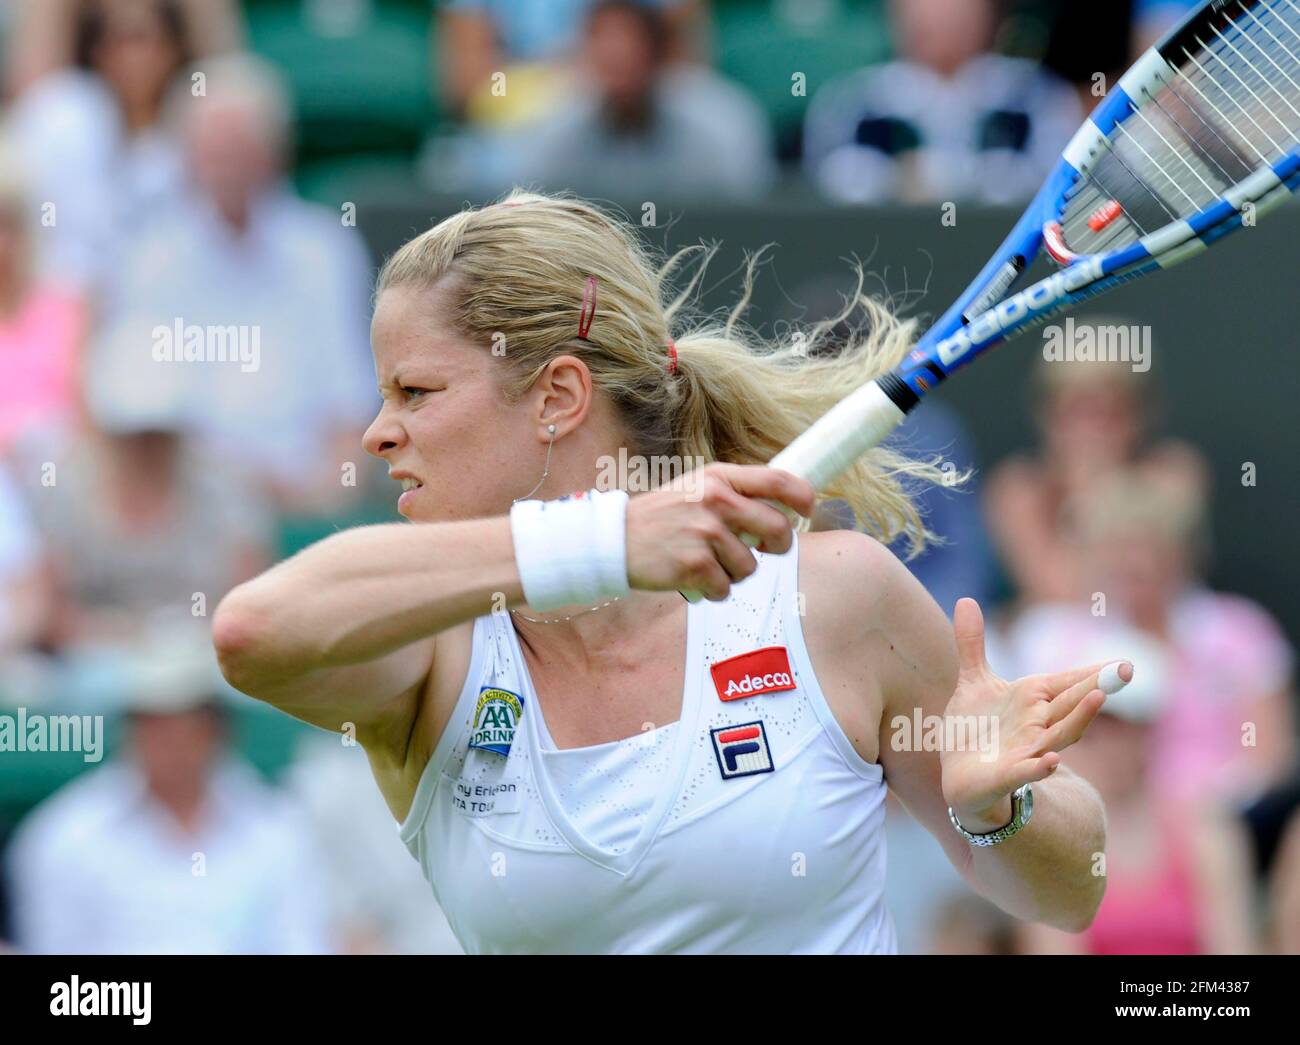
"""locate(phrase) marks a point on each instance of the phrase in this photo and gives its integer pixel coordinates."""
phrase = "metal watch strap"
(1022, 808)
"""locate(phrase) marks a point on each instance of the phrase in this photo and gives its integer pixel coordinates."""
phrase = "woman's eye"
(413, 393)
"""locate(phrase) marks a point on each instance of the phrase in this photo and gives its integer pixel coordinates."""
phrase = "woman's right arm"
(344, 630)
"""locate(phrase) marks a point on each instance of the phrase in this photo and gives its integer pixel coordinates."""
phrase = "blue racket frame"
(984, 316)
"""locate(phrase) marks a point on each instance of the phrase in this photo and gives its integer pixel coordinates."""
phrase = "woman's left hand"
(1020, 728)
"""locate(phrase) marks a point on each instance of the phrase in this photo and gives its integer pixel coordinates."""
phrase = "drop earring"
(546, 468)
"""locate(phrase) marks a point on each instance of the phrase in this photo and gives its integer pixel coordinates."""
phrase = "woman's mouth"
(410, 488)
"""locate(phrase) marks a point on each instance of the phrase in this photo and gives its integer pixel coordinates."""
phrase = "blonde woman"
(580, 760)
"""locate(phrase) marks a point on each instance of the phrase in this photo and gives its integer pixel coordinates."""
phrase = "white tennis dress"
(750, 825)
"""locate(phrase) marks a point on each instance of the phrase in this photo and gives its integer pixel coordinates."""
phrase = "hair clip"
(672, 356)
(588, 303)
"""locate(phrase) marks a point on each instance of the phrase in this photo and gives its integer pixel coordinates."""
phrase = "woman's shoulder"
(844, 558)
(848, 581)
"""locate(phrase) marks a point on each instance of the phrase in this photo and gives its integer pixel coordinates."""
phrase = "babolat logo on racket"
(496, 717)
(741, 750)
(1027, 304)
(764, 670)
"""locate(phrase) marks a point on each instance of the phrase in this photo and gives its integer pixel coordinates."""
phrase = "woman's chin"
(410, 503)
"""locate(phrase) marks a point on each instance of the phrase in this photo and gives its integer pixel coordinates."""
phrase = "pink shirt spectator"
(1230, 653)
(1224, 655)
(38, 364)
(1151, 910)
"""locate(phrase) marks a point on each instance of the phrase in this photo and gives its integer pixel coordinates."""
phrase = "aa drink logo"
(764, 670)
(496, 716)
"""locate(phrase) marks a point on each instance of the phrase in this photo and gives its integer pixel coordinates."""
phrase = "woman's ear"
(562, 395)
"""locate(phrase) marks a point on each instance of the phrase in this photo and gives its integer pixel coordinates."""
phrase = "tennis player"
(580, 759)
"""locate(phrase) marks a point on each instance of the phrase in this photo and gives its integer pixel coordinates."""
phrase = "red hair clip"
(672, 356)
(588, 308)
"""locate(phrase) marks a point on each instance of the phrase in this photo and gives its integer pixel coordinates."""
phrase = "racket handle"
(849, 429)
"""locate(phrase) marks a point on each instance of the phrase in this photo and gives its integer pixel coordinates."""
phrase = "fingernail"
(1109, 680)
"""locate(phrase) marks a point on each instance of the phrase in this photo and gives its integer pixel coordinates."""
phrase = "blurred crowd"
(1098, 546)
(893, 100)
(185, 374)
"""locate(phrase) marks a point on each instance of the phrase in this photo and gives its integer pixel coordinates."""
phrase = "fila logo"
(741, 750)
(764, 670)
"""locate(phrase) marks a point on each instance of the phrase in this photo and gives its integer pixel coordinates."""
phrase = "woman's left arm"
(996, 736)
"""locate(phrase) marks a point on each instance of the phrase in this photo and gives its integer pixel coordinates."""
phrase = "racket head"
(1205, 122)
(1212, 106)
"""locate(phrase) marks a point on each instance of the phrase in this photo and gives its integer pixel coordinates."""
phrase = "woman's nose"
(383, 435)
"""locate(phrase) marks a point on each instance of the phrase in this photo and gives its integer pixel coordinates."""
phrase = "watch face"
(1027, 804)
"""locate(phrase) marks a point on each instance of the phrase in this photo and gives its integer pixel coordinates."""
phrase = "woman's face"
(1140, 569)
(445, 422)
(136, 55)
(1096, 422)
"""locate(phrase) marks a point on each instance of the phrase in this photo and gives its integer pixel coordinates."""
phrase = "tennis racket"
(1199, 137)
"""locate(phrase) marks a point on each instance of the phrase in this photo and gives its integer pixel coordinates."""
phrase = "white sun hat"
(127, 390)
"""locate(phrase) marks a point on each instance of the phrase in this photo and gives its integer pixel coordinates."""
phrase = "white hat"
(1051, 637)
(172, 677)
(127, 390)
(1142, 700)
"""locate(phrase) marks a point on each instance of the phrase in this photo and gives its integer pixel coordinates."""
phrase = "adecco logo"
(761, 671)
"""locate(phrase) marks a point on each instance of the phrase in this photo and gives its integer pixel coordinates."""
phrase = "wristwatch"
(1022, 808)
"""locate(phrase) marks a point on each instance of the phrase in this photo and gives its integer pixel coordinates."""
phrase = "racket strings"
(1231, 107)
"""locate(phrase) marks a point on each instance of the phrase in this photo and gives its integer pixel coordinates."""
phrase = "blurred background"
(213, 183)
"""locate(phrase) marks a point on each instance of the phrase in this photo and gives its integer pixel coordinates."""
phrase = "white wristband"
(572, 551)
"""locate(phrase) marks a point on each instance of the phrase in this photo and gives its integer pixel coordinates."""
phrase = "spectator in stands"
(1225, 729)
(175, 847)
(531, 42)
(969, 924)
(634, 129)
(1284, 892)
(1178, 878)
(41, 330)
(245, 259)
(25, 602)
(380, 900)
(1093, 419)
(1153, 18)
(137, 521)
(50, 35)
(947, 120)
(93, 78)
(1269, 819)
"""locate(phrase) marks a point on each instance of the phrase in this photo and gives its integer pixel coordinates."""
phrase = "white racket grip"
(844, 433)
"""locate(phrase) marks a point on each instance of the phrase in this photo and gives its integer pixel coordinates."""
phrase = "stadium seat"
(360, 70)
(333, 180)
(761, 44)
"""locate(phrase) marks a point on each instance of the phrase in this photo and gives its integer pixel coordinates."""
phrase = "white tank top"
(750, 825)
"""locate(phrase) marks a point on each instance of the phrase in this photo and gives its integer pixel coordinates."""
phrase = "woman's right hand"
(687, 535)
